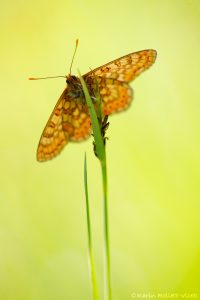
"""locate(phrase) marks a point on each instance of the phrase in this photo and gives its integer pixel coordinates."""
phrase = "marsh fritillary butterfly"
(70, 119)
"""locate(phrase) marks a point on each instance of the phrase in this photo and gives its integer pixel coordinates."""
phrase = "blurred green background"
(153, 152)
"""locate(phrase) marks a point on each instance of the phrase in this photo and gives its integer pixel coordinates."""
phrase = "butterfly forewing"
(53, 138)
(127, 67)
(76, 119)
(69, 121)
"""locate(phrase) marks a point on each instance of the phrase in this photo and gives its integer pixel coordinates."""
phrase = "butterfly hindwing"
(115, 95)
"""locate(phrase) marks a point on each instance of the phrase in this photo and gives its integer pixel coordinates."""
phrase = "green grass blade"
(91, 258)
(100, 149)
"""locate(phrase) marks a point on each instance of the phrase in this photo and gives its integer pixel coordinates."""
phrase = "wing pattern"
(69, 121)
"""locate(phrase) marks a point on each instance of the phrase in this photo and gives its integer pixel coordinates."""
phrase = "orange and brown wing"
(69, 121)
(53, 138)
(127, 67)
(76, 119)
(115, 95)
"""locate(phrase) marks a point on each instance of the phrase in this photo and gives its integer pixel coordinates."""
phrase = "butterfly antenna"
(73, 56)
(37, 78)
(49, 77)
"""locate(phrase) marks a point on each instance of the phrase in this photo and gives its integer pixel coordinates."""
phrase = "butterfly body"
(70, 120)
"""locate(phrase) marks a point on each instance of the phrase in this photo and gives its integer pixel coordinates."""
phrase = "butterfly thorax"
(74, 87)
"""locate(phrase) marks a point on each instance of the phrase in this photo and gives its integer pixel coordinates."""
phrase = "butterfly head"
(70, 79)
(74, 86)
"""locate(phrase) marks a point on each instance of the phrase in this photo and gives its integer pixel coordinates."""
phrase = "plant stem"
(90, 252)
(108, 295)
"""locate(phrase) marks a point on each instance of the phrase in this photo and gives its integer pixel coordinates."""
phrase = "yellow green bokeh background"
(153, 152)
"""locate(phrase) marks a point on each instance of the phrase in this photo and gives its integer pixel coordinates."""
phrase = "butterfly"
(70, 119)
